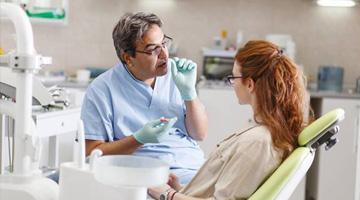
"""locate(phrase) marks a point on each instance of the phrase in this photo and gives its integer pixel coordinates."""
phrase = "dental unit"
(108, 177)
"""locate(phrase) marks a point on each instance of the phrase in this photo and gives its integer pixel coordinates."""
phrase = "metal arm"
(25, 68)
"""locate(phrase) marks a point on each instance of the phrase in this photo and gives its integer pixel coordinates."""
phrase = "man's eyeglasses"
(230, 78)
(166, 43)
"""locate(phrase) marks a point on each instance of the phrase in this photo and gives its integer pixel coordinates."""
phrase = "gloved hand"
(184, 75)
(154, 131)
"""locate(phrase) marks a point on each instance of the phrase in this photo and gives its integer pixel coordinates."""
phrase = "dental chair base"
(33, 189)
(111, 177)
(76, 183)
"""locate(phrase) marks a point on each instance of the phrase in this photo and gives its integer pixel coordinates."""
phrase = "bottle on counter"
(239, 39)
(223, 39)
(358, 84)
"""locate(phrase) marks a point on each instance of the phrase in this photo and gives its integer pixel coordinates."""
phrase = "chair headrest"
(320, 127)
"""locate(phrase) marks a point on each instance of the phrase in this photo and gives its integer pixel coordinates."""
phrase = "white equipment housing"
(106, 177)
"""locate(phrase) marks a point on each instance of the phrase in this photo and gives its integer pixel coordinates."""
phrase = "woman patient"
(272, 84)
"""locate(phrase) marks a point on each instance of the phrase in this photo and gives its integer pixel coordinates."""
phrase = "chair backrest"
(282, 183)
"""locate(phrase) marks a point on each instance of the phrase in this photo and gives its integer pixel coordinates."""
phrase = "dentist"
(123, 107)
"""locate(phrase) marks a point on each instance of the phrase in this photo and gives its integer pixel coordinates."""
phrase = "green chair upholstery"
(282, 183)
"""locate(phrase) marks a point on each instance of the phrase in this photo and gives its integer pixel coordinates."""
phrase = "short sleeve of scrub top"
(97, 115)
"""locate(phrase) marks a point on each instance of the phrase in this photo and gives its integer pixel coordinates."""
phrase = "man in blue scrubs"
(123, 107)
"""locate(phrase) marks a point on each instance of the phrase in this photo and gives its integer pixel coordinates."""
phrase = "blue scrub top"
(116, 105)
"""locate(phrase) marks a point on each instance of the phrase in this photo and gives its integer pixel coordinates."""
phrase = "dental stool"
(282, 183)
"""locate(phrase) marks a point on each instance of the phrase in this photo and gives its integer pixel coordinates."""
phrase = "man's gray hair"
(132, 27)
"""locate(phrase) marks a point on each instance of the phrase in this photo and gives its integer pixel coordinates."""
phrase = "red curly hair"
(281, 100)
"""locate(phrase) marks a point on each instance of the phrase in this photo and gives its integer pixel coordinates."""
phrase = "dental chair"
(282, 183)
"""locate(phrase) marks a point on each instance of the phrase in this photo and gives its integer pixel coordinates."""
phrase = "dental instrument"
(162, 124)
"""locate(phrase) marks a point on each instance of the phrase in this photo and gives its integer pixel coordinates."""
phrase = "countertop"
(348, 92)
(67, 84)
(211, 52)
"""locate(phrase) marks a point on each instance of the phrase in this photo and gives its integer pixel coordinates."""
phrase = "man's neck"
(151, 82)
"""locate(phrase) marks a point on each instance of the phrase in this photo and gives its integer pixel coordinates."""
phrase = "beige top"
(237, 167)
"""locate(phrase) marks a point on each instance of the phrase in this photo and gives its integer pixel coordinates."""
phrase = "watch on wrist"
(164, 195)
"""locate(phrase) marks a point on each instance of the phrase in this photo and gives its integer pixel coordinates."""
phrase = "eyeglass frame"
(151, 52)
(230, 78)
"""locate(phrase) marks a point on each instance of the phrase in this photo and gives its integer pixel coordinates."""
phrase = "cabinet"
(57, 130)
(334, 174)
(217, 64)
(225, 115)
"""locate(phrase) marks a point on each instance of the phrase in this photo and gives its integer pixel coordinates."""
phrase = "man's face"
(146, 67)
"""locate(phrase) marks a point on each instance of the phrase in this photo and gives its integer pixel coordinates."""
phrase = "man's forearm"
(124, 146)
(197, 123)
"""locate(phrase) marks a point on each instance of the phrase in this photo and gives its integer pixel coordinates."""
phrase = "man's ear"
(126, 57)
(250, 85)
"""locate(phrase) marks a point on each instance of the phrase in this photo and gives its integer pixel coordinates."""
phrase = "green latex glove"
(184, 75)
(154, 131)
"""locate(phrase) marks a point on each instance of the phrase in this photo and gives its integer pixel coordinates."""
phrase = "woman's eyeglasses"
(230, 78)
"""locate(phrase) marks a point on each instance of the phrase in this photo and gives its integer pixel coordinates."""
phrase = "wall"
(323, 35)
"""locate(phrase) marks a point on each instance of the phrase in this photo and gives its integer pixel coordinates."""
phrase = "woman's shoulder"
(255, 132)
(256, 138)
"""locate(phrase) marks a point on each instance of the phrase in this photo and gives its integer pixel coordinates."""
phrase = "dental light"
(336, 3)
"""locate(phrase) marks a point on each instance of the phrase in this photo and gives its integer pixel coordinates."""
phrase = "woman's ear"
(126, 57)
(250, 87)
